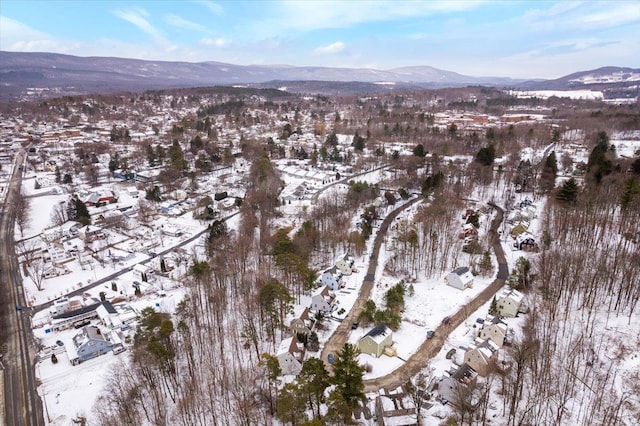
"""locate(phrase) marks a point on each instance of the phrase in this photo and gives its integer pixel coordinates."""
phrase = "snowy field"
(572, 94)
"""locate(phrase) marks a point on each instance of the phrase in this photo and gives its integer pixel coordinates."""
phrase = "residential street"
(431, 347)
(339, 337)
(20, 403)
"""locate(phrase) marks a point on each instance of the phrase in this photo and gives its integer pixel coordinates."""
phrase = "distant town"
(236, 255)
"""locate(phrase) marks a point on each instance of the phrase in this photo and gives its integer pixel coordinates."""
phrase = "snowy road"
(430, 348)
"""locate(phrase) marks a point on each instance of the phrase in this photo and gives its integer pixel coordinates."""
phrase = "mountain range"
(30, 75)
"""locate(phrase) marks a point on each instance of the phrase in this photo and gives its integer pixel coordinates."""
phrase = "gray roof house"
(90, 343)
(460, 278)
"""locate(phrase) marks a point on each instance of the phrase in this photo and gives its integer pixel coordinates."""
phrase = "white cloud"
(217, 42)
(329, 49)
(213, 7)
(310, 15)
(16, 36)
(180, 22)
(583, 16)
(138, 17)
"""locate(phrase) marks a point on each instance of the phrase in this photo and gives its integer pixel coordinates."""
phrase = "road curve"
(430, 348)
(340, 336)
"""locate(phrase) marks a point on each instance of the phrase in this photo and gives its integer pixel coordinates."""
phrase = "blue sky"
(520, 39)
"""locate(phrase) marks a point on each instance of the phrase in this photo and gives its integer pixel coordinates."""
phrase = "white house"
(90, 233)
(494, 328)
(290, 356)
(143, 272)
(331, 278)
(345, 265)
(482, 356)
(460, 278)
(508, 302)
(322, 300)
(451, 385)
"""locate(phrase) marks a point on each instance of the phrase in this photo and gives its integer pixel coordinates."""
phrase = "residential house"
(525, 241)
(322, 300)
(143, 272)
(66, 230)
(106, 312)
(67, 314)
(518, 229)
(290, 356)
(451, 386)
(345, 265)
(468, 231)
(90, 233)
(460, 278)
(89, 343)
(508, 302)
(303, 324)
(482, 356)
(376, 340)
(95, 198)
(331, 278)
(494, 328)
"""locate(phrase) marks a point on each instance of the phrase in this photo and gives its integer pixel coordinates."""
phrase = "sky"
(519, 39)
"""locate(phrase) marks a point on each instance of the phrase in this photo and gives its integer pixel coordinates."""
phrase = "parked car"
(430, 334)
(330, 358)
(480, 320)
(446, 320)
(59, 343)
(354, 325)
(118, 349)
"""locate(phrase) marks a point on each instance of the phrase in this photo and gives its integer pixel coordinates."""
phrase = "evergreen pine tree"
(568, 191)
(493, 309)
(348, 375)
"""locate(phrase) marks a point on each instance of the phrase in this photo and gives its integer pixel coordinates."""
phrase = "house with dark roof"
(451, 386)
(68, 318)
(460, 278)
(376, 340)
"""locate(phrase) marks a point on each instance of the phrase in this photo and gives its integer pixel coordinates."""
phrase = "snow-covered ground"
(572, 94)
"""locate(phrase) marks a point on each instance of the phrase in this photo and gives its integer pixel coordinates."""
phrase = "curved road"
(340, 336)
(20, 404)
(430, 348)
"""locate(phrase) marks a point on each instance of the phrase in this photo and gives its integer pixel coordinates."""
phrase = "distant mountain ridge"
(57, 74)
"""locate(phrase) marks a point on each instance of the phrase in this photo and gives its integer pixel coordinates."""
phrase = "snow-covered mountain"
(65, 74)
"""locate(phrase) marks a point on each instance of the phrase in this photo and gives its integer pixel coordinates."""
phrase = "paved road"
(340, 336)
(21, 404)
(115, 275)
(344, 181)
(430, 348)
